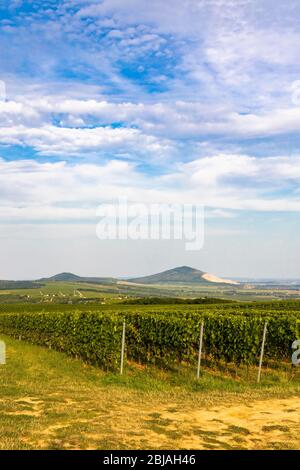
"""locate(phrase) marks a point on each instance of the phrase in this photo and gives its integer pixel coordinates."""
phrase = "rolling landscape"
(182, 282)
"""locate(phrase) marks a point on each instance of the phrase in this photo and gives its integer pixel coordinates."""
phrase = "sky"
(167, 102)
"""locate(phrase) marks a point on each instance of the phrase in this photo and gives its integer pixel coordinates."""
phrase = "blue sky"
(194, 101)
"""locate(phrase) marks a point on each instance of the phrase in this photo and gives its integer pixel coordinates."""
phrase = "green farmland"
(118, 290)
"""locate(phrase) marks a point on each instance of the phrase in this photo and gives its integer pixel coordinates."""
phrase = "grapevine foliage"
(160, 335)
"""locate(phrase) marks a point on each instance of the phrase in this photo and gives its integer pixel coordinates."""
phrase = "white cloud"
(53, 140)
(61, 191)
(154, 128)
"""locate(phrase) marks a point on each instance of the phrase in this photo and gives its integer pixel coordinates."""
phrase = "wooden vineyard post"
(200, 350)
(262, 352)
(123, 348)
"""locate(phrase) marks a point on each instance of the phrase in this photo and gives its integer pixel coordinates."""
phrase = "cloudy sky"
(168, 101)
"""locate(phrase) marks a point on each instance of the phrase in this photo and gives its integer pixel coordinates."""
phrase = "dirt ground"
(267, 424)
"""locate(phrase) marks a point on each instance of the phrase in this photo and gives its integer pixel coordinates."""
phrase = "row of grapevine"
(94, 337)
(230, 338)
(157, 336)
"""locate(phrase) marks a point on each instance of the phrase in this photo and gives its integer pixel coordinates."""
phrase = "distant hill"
(181, 275)
(70, 277)
(67, 277)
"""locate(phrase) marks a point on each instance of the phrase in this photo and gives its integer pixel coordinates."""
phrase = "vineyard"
(161, 335)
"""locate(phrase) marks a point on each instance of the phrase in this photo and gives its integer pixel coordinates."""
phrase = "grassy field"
(51, 401)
